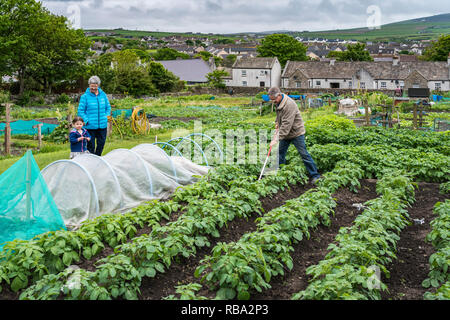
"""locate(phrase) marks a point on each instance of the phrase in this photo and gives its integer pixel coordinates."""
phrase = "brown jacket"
(290, 122)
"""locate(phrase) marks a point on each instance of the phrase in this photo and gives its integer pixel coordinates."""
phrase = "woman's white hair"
(94, 79)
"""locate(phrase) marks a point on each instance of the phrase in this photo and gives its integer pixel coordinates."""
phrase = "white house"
(255, 72)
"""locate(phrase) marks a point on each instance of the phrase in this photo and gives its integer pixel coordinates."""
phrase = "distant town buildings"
(395, 65)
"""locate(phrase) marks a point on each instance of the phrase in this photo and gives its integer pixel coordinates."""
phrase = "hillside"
(427, 28)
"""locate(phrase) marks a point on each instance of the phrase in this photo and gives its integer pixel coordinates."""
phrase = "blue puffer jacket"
(94, 109)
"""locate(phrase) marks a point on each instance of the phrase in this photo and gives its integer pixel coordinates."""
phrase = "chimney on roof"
(395, 60)
(332, 61)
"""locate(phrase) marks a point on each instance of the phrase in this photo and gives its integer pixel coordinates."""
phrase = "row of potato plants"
(439, 277)
(350, 269)
(437, 142)
(120, 274)
(23, 262)
(236, 269)
(422, 166)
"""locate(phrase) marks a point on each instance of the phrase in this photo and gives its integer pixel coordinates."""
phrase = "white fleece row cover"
(89, 186)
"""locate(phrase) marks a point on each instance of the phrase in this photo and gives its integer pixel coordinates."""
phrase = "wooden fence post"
(39, 127)
(8, 129)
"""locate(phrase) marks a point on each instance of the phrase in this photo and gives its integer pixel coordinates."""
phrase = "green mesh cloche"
(27, 208)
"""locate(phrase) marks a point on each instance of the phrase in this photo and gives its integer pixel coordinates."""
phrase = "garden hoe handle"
(265, 162)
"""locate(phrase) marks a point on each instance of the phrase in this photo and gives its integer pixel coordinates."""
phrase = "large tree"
(18, 18)
(131, 76)
(282, 46)
(438, 50)
(61, 52)
(37, 44)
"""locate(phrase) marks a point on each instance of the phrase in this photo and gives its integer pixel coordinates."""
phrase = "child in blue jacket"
(78, 138)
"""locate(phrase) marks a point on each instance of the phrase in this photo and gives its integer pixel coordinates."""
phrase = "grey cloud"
(226, 16)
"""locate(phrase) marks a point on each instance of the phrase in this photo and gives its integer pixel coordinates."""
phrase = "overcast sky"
(232, 16)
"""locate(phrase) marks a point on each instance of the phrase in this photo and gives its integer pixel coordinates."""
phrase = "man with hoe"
(290, 128)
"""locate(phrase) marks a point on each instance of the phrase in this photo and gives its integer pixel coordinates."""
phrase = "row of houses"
(319, 51)
(388, 75)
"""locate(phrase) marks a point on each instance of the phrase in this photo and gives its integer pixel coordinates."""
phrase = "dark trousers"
(97, 142)
(299, 143)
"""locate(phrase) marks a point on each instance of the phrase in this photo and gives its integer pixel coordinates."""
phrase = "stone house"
(367, 75)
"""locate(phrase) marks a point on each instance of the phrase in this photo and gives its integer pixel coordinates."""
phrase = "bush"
(61, 133)
(63, 98)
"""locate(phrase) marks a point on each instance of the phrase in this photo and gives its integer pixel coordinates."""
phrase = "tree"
(101, 67)
(37, 44)
(215, 78)
(17, 21)
(162, 79)
(61, 52)
(229, 60)
(354, 52)
(282, 46)
(438, 50)
(223, 41)
(205, 55)
(169, 54)
(130, 75)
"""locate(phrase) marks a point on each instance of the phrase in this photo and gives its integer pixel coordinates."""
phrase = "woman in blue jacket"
(94, 108)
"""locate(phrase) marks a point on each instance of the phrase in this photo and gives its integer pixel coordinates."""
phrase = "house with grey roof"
(193, 71)
(367, 75)
(255, 72)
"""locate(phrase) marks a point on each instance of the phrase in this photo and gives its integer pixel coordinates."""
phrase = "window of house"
(350, 85)
(318, 83)
(262, 84)
(416, 85)
(244, 83)
(437, 86)
(298, 84)
(383, 85)
(362, 85)
(244, 73)
(262, 73)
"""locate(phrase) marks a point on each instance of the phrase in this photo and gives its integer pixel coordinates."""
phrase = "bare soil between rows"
(411, 267)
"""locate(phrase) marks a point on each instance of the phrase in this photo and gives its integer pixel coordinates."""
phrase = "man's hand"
(88, 139)
(273, 143)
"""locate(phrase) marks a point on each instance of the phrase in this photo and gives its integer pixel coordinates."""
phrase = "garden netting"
(26, 205)
(89, 186)
(26, 127)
